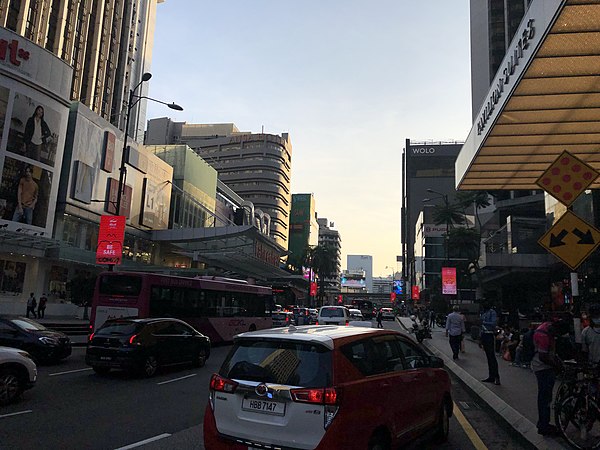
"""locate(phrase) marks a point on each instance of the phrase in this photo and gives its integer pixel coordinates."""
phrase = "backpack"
(528, 346)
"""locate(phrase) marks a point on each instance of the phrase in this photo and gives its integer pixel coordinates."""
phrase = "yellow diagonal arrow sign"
(571, 240)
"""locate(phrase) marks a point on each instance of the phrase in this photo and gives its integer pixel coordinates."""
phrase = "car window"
(362, 356)
(414, 357)
(117, 329)
(278, 361)
(332, 312)
(388, 354)
(28, 325)
(6, 328)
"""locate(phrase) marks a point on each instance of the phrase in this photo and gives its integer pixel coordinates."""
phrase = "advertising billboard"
(110, 240)
(399, 287)
(449, 280)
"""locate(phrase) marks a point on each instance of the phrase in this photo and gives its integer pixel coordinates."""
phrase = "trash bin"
(475, 332)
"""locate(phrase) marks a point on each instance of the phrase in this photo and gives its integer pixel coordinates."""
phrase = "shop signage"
(266, 254)
(571, 240)
(12, 50)
(110, 240)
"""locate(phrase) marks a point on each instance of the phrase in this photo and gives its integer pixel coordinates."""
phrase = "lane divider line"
(69, 371)
(177, 379)
(15, 413)
(145, 441)
(469, 430)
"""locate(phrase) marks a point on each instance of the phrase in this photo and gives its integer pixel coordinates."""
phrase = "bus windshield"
(126, 285)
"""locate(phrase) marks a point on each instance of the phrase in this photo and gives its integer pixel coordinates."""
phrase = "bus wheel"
(252, 327)
(150, 366)
(200, 358)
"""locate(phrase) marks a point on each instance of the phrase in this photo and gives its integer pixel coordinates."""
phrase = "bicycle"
(576, 408)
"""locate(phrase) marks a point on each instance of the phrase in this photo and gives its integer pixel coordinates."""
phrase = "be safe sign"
(571, 240)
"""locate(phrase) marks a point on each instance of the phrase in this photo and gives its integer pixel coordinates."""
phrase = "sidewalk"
(515, 400)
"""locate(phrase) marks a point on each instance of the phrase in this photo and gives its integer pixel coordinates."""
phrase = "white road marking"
(145, 441)
(69, 371)
(177, 379)
(15, 414)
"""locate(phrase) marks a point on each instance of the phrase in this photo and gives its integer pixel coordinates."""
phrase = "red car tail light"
(317, 322)
(222, 384)
(347, 322)
(91, 337)
(132, 340)
(327, 396)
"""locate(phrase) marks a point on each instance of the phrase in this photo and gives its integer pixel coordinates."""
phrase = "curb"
(513, 418)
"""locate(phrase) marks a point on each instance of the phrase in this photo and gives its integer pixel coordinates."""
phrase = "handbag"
(506, 356)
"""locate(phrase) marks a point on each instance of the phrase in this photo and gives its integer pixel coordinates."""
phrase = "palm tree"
(449, 214)
(477, 199)
(323, 261)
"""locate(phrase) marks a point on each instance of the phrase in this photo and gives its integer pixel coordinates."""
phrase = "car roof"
(144, 320)
(323, 334)
(354, 310)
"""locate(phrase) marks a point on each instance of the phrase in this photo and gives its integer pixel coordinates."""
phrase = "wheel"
(578, 419)
(379, 441)
(443, 424)
(10, 386)
(101, 370)
(200, 358)
(150, 366)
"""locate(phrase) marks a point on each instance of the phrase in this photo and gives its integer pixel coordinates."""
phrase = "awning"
(240, 249)
(548, 103)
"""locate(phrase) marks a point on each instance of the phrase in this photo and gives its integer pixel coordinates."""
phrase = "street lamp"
(130, 104)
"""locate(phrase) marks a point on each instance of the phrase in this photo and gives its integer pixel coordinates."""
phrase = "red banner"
(313, 289)
(110, 240)
(449, 280)
(416, 295)
(392, 297)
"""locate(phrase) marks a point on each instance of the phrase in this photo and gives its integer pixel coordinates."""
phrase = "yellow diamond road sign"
(571, 240)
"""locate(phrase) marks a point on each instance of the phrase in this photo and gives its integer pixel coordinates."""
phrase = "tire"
(101, 370)
(200, 358)
(442, 427)
(379, 441)
(149, 366)
(10, 386)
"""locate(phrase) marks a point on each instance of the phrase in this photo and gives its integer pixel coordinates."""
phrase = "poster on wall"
(3, 106)
(83, 186)
(108, 156)
(24, 193)
(112, 195)
(155, 205)
(33, 131)
(12, 276)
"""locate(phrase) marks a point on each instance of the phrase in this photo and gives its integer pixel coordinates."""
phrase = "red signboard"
(313, 289)
(110, 240)
(449, 280)
(392, 297)
(415, 293)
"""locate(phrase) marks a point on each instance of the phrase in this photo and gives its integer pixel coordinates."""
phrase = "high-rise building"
(304, 230)
(328, 237)
(256, 166)
(107, 42)
(364, 263)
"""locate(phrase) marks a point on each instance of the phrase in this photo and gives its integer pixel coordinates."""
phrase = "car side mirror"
(436, 363)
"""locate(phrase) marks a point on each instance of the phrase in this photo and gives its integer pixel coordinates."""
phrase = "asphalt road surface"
(72, 407)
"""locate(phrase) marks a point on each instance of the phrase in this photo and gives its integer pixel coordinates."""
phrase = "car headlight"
(48, 340)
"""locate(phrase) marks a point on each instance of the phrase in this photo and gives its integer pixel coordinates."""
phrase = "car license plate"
(263, 406)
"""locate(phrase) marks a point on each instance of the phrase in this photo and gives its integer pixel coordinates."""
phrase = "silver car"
(18, 373)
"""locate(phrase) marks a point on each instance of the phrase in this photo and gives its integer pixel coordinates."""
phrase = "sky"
(349, 80)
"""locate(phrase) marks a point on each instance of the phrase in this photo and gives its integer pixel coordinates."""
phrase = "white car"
(387, 314)
(18, 373)
(333, 315)
(355, 314)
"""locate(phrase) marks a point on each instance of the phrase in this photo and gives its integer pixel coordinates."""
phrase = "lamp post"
(132, 101)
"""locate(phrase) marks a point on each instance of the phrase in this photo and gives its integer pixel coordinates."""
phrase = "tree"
(477, 199)
(448, 214)
(323, 261)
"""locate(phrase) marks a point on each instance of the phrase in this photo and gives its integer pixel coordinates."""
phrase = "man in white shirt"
(590, 336)
(455, 327)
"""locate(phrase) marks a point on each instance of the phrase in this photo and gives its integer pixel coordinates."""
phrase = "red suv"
(326, 387)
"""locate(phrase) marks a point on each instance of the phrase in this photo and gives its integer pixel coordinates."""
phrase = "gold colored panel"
(566, 85)
(571, 44)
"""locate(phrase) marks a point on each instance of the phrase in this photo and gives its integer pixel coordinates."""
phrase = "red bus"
(218, 307)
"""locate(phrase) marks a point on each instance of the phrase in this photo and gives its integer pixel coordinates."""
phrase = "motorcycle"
(421, 330)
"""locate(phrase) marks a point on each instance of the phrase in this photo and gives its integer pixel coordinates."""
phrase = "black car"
(43, 344)
(144, 345)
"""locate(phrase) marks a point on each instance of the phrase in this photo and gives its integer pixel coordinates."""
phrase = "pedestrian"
(379, 319)
(545, 364)
(487, 341)
(432, 319)
(31, 304)
(42, 306)
(455, 327)
(462, 341)
(590, 336)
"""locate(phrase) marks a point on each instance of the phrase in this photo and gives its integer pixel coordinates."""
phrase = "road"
(72, 407)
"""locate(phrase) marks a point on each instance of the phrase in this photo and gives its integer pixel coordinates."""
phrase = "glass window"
(117, 329)
(120, 285)
(414, 357)
(278, 361)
